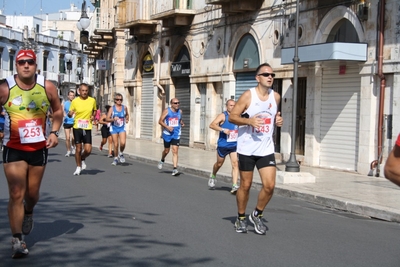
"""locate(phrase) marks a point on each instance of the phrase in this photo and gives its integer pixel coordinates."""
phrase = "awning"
(326, 51)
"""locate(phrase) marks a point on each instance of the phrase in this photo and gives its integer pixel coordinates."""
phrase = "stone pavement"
(365, 195)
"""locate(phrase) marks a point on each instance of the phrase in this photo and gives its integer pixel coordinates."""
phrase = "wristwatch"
(54, 132)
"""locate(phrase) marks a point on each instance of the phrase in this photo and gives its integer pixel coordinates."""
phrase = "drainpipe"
(376, 163)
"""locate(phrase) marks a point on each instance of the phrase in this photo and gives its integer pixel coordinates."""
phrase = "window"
(45, 59)
(11, 68)
(61, 64)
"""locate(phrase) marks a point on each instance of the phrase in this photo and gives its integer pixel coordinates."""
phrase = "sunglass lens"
(23, 61)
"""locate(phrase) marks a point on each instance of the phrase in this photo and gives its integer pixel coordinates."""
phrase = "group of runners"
(245, 134)
(28, 101)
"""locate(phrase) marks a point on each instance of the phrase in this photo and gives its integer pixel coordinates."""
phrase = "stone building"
(205, 52)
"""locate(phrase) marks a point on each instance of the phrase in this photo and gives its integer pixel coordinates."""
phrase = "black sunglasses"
(266, 74)
(118, 99)
(23, 61)
(175, 103)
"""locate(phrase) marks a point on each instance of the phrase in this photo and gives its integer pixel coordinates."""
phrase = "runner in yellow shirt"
(84, 108)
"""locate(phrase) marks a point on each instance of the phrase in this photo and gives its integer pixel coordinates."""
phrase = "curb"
(359, 208)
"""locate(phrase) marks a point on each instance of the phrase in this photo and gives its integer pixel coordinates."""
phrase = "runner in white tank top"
(258, 141)
(256, 115)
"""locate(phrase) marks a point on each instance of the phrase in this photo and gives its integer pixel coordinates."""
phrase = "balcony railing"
(168, 5)
(51, 76)
(130, 10)
(5, 73)
(173, 13)
(103, 18)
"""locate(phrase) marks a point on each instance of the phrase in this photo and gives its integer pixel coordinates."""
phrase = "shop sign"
(180, 69)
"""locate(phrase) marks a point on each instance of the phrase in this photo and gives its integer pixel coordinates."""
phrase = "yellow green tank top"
(26, 115)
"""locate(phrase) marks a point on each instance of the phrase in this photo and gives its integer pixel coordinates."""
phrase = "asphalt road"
(137, 215)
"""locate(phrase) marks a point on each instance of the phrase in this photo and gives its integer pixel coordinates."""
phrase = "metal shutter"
(147, 113)
(244, 81)
(182, 92)
(340, 114)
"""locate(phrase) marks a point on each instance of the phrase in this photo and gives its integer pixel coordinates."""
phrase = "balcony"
(100, 30)
(135, 16)
(51, 76)
(216, 2)
(174, 13)
(237, 6)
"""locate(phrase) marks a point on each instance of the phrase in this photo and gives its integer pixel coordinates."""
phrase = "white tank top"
(258, 142)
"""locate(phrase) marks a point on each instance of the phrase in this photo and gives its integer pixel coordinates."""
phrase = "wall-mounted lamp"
(246, 62)
(363, 8)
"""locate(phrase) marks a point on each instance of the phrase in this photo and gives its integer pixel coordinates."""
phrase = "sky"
(37, 7)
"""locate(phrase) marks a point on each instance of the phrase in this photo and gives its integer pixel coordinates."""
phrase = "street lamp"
(79, 73)
(68, 58)
(82, 24)
(292, 165)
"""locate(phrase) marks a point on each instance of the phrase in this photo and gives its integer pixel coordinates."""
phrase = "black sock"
(28, 212)
(257, 212)
(162, 160)
(19, 236)
(241, 216)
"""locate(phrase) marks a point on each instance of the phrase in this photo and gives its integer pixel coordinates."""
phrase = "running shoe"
(121, 158)
(110, 156)
(234, 189)
(115, 162)
(175, 172)
(241, 225)
(27, 224)
(77, 171)
(212, 181)
(73, 150)
(83, 165)
(68, 154)
(259, 226)
(19, 249)
(160, 164)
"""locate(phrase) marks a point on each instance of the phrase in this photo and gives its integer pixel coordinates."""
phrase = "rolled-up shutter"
(147, 109)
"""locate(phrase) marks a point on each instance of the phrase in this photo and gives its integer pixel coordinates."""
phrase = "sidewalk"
(361, 194)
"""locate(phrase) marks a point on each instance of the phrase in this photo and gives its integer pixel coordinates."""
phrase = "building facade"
(206, 52)
(52, 36)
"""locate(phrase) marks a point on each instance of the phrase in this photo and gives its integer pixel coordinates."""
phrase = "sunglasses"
(22, 62)
(176, 103)
(266, 74)
(118, 99)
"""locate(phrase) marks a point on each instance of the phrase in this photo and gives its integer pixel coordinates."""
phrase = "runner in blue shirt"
(68, 124)
(119, 117)
(171, 121)
(227, 141)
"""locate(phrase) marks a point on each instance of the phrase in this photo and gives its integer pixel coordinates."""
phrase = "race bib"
(173, 122)
(83, 124)
(119, 122)
(233, 135)
(265, 128)
(30, 131)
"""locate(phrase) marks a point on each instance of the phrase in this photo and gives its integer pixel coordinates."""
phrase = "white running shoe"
(77, 171)
(115, 162)
(234, 189)
(160, 164)
(68, 154)
(212, 181)
(175, 172)
(19, 249)
(73, 150)
(121, 158)
(83, 165)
